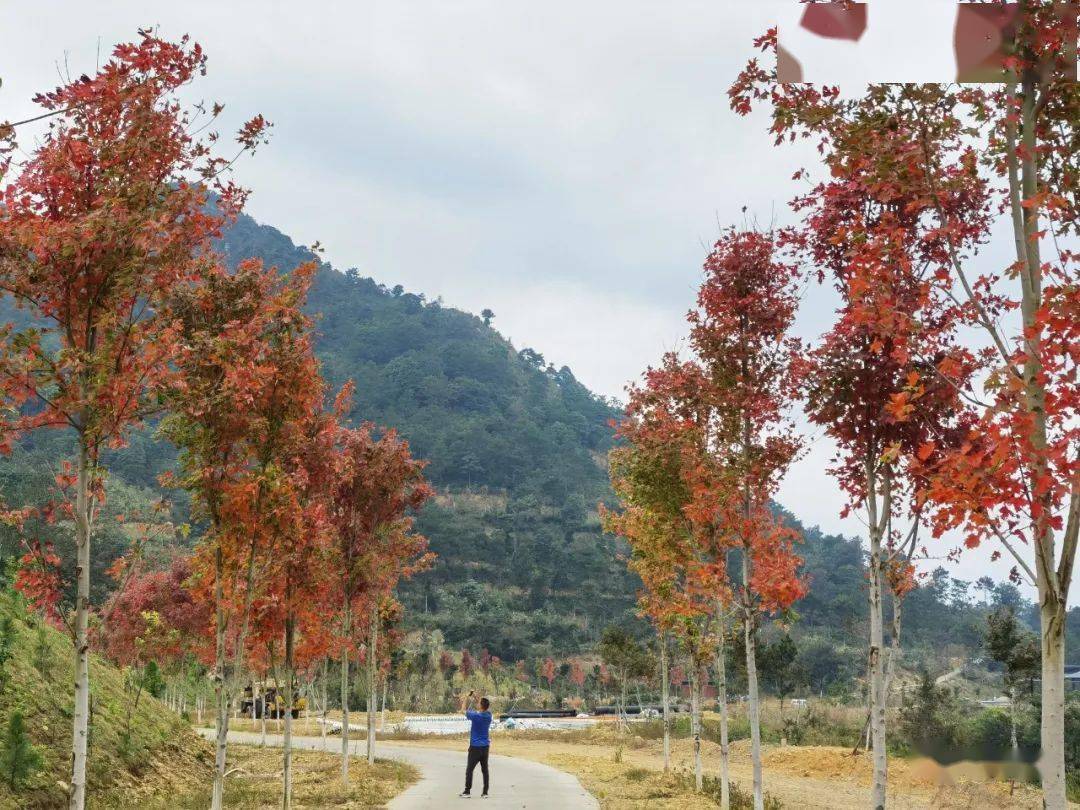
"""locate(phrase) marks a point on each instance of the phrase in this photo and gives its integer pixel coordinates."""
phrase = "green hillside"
(155, 754)
(516, 446)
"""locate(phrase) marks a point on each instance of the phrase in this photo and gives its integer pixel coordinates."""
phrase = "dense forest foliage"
(516, 448)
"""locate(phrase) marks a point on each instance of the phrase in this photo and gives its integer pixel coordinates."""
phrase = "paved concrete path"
(515, 783)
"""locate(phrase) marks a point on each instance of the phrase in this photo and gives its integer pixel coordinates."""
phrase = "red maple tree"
(376, 484)
(960, 155)
(102, 221)
(244, 379)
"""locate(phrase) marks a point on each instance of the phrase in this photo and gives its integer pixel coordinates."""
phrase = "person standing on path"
(479, 742)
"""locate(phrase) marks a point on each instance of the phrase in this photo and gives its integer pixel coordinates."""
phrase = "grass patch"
(160, 755)
(316, 782)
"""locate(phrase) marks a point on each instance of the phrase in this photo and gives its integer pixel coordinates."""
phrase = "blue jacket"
(481, 722)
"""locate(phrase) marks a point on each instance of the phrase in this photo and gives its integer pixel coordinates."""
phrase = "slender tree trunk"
(624, 720)
(695, 718)
(286, 760)
(221, 691)
(1052, 581)
(877, 676)
(878, 521)
(664, 689)
(894, 644)
(1012, 719)
(81, 715)
(325, 700)
(1052, 761)
(373, 687)
(385, 685)
(721, 700)
(750, 634)
(347, 630)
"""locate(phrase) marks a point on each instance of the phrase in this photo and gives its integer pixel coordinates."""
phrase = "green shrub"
(929, 717)
(19, 760)
(990, 729)
(42, 652)
(152, 680)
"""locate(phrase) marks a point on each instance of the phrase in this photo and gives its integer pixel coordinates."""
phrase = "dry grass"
(256, 784)
(806, 778)
(622, 785)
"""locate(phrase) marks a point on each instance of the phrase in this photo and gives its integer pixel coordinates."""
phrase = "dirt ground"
(800, 777)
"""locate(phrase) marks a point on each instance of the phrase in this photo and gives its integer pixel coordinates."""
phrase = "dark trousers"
(478, 754)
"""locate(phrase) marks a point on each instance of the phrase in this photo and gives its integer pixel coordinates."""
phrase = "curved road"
(515, 783)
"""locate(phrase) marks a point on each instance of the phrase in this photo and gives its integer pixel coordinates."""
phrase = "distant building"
(1072, 677)
(1000, 702)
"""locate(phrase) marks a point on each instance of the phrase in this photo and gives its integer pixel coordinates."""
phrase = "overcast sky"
(565, 164)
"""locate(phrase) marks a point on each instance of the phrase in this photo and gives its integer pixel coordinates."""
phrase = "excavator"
(269, 697)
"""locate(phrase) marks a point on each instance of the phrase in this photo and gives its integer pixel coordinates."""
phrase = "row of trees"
(706, 444)
(933, 425)
(951, 391)
(106, 242)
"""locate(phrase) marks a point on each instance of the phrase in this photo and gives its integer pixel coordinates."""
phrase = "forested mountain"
(517, 449)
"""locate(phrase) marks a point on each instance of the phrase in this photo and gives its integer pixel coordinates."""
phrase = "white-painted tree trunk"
(1052, 760)
(750, 635)
(286, 760)
(382, 704)
(221, 691)
(665, 700)
(325, 700)
(347, 628)
(877, 676)
(721, 700)
(1012, 720)
(894, 645)
(695, 718)
(373, 686)
(624, 723)
(1053, 577)
(81, 715)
